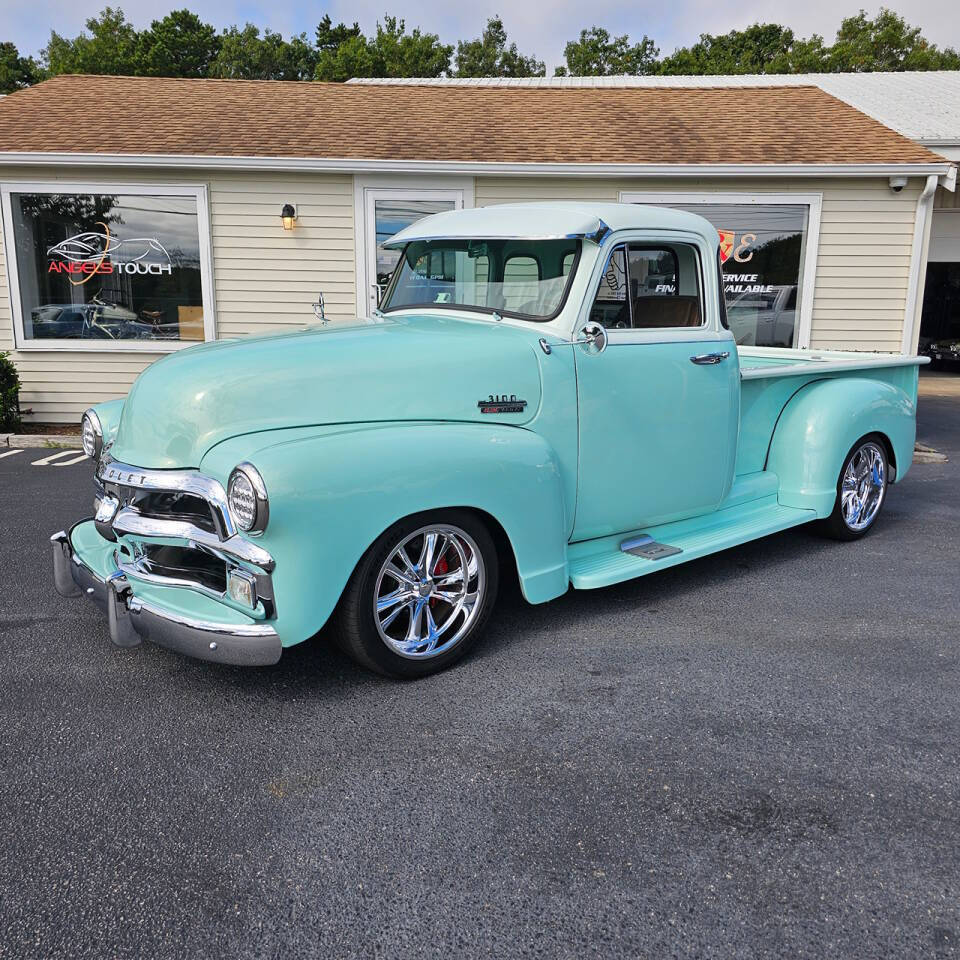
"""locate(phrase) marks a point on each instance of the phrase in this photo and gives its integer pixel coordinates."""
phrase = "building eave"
(461, 167)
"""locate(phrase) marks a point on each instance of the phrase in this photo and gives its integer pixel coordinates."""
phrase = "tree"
(489, 56)
(344, 52)
(245, 55)
(597, 54)
(179, 45)
(761, 48)
(109, 48)
(886, 43)
(15, 71)
(330, 37)
(415, 54)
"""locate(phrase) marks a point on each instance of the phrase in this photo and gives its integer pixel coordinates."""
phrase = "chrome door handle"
(706, 358)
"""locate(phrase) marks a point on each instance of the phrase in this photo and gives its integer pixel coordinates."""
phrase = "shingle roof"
(231, 118)
(921, 104)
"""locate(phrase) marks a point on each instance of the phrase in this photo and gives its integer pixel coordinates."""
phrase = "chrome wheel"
(863, 486)
(429, 591)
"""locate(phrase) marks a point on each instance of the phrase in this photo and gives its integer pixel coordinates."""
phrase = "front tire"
(421, 595)
(861, 490)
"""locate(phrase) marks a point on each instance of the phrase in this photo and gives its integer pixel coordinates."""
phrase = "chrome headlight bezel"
(261, 514)
(94, 447)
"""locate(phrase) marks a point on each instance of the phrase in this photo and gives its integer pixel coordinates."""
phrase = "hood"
(411, 368)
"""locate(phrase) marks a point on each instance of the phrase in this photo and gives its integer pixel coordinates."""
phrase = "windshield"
(528, 279)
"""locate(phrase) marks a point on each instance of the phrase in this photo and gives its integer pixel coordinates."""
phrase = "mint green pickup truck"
(548, 391)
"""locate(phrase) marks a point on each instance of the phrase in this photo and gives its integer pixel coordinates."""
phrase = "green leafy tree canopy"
(16, 72)
(489, 56)
(179, 45)
(110, 47)
(761, 48)
(887, 42)
(344, 52)
(246, 55)
(597, 54)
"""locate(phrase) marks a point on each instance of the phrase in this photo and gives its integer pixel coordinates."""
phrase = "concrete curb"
(24, 440)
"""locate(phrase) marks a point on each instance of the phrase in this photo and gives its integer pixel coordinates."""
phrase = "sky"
(538, 28)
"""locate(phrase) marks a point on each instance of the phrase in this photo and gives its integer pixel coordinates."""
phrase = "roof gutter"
(469, 167)
(918, 259)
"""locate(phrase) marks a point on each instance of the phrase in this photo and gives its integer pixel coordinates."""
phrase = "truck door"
(659, 409)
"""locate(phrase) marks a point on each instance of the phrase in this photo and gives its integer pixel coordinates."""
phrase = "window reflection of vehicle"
(766, 318)
(97, 320)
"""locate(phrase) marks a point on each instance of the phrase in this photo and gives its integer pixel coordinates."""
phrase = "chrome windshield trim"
(595, 234)
(181, 481)
(129, 522)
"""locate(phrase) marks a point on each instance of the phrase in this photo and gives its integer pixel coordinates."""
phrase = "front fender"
(109, 413)
(334, 491)
(822, 422)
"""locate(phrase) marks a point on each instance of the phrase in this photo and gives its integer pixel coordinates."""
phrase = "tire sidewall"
(837, 523)
(372, 649)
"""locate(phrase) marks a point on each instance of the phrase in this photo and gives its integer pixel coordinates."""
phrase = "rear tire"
(420, 596)
(861, 490)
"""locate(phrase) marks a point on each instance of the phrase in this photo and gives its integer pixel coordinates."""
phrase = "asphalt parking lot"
(752, 755)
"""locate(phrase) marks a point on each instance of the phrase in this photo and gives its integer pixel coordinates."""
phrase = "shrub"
(9, 395)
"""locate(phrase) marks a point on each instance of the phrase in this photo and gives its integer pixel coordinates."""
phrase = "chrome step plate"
(648, 548)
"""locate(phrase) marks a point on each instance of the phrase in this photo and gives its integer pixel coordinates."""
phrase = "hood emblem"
(502, 403)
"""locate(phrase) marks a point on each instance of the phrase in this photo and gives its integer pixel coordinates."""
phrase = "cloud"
(538, 28)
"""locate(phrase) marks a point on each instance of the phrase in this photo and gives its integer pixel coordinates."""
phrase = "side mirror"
(593, 338)
(319, 310)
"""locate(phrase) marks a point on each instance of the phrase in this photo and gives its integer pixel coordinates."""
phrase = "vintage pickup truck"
(548, 392)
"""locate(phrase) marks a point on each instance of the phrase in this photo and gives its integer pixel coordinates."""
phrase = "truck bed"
(760, 363)
(770, 376)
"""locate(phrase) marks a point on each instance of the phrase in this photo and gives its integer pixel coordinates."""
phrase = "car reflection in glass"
(765, 318)
(97, 320)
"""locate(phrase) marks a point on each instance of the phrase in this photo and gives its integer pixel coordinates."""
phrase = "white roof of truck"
(548, 220)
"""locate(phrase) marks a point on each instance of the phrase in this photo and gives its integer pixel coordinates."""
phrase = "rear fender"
(822, 422)
(333, 493)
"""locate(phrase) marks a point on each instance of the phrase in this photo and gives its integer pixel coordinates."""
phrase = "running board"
(600, 563)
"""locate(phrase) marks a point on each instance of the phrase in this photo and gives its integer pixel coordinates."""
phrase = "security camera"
(897, 183)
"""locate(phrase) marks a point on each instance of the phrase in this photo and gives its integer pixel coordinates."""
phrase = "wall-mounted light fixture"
(288, 215)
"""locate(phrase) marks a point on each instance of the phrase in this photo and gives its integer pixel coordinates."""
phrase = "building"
(141, 215)
(922, 105)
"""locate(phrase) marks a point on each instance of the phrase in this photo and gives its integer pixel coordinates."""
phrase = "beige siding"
(863, 260)
(265, 279)
(944, 199)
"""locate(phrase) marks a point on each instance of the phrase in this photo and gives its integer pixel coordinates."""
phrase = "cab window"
(650, 287)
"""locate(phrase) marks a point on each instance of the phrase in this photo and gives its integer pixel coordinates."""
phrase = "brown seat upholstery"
(666, 311)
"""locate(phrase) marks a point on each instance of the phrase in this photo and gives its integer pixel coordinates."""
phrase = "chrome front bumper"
(132, 619)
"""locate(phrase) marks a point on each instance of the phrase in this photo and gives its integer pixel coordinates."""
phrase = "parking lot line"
(46, 461)
(9, 453)
(67, 463)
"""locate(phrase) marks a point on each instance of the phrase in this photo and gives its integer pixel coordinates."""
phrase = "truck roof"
(549, 220)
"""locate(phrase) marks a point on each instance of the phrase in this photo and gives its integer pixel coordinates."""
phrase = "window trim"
(664, 245)
(200, 195)
(808, 264)
(394, 187)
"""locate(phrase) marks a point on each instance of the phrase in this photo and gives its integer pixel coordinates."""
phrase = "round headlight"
(91, 434)
(247, 497)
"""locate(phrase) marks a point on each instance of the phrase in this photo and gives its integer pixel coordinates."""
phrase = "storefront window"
(763, 247)
(104, 267)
